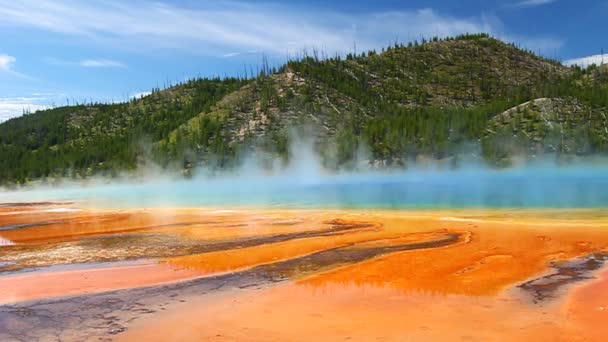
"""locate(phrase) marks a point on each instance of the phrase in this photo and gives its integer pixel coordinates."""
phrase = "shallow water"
(530, 187)
(270, 274)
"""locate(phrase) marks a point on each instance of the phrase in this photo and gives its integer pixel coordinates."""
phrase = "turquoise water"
(540, 187)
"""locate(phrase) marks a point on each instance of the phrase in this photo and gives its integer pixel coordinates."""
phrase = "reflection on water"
(363, 312)
(366, 288)
(359, 274)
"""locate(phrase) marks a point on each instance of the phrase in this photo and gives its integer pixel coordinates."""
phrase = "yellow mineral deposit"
(357, 274)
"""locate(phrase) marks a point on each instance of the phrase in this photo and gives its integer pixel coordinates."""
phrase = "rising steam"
(304, 183)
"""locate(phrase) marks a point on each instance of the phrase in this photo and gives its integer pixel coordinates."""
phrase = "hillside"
(85, 139)
(562, 126)
(428, 99)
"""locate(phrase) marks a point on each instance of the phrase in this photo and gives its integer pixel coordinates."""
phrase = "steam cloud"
(304, 183)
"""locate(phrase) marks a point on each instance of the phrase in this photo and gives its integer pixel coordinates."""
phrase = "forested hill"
(432, 99)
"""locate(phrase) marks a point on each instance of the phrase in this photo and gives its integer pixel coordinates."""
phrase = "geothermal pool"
(74, 271)
(540, 186)
(468, 254)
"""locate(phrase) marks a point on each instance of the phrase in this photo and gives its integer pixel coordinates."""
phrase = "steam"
(305, 183)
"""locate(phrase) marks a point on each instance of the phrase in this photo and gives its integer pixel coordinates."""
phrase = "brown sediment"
(135, 246)
(351, 274)
(358, 312)
(26, 286)
(70, 226)
(290, 268)
(564, 273)
(77, 314)
(28, 228)
(28, 225)
(370, 311)
(496, 258)
(30, 215)
(31, 204)
(456, 292)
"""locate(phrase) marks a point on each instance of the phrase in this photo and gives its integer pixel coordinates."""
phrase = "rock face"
(546, 125)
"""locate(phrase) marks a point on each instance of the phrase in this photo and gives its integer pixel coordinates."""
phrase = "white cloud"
(224, 28)
(6, 66)
(546, 46)
(589, 60)
(11, 107)
(86, 63)
(6, 62)
(140, 94)
(231, 54)
(235, 54)
(533, 3)
(101, 63)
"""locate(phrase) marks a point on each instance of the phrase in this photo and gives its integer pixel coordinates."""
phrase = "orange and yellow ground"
(466, 289)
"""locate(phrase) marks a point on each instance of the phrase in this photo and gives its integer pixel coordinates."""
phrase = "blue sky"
(111, 50)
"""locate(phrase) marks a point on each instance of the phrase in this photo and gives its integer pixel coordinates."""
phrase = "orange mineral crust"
(464, 290)
(587, 308)
(495, 257)
(258, 274)
(298, 312)
(39, 285)
(31, 225)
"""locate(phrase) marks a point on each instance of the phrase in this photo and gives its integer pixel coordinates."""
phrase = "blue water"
(539, 187)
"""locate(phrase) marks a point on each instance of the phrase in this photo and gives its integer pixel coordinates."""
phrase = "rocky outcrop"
(546, 125)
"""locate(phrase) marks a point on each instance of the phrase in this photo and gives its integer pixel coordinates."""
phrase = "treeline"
(426, 98)
(79, 141)
(431, 98)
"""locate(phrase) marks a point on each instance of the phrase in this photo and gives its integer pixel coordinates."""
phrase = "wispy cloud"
(235, 54)
(6, 65)
(6, 62)
(589, 60)
(533, 3)
(140, 94)
(11, 107)
(86, 63)
(231, 54)
(101, 63)
(546, 46)
(227, 27)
